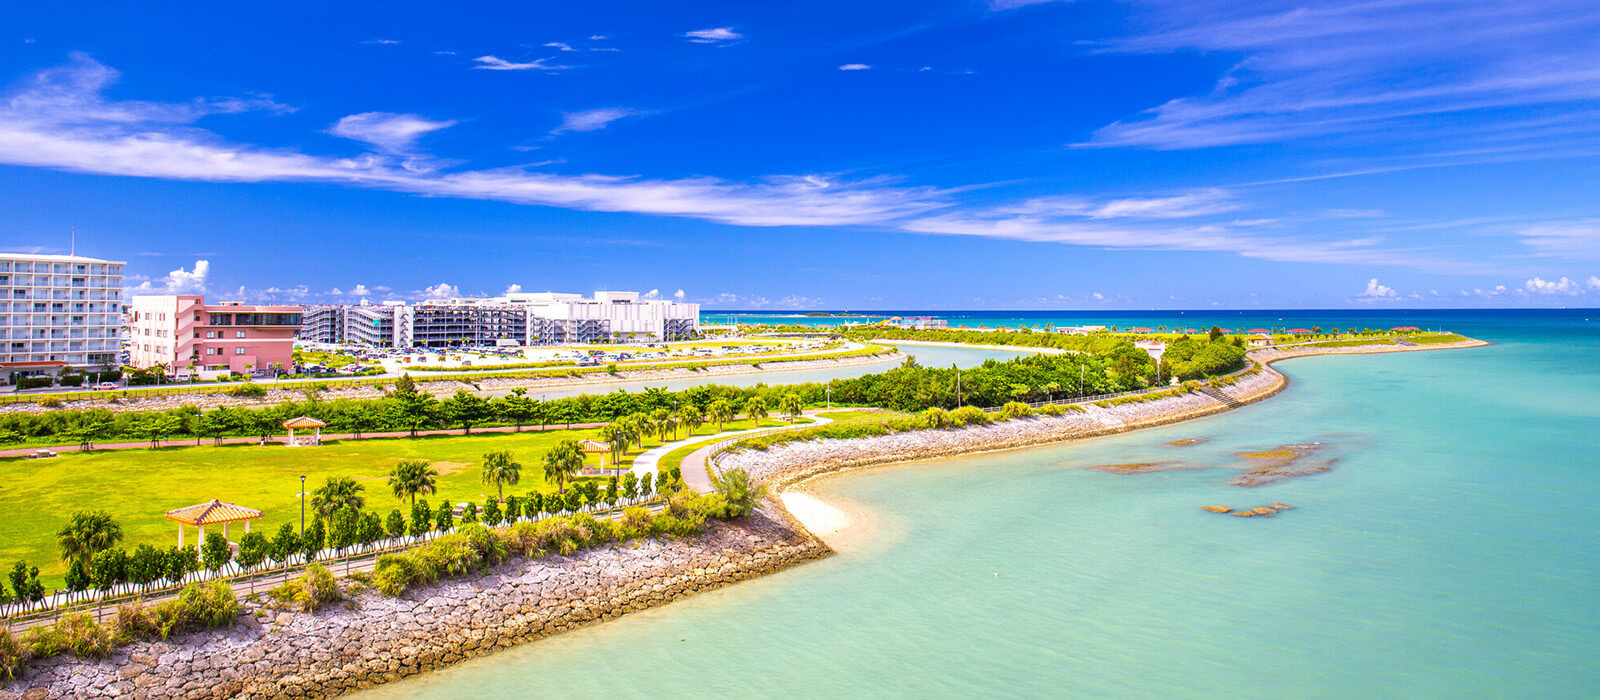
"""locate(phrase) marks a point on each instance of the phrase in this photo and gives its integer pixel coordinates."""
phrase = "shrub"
(969, 415)
(739, 495)
(936, 418)
(77, 634)
(50, 402)
(14, 656)
(70, 380)
(247, 390)
(33, 382)
(315, 589)
(198, 606)
(1051, 409)
(635, 523)
(1015, 409)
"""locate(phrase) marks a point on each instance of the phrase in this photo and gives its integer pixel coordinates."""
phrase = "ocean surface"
(1452, 550)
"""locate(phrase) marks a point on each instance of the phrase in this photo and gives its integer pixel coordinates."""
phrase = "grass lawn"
(1435, 338)
(138, 486)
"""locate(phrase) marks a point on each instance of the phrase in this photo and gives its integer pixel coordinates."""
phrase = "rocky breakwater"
(370, 639)
(795, 461)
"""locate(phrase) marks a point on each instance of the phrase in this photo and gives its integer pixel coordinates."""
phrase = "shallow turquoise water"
(1453, 550)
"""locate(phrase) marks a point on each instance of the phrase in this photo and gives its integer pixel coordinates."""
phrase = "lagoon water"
(1453, 550)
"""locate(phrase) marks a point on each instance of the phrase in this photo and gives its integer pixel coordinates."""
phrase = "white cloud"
(1179, 206)
(390, 133)
(1377, 292)
(712, 36)
(678, 295)
(441, 291)
(61, 121)
(179, 281)
(592, 119)
(381, 42)
(998, 5)
(597, 37)
(442, 52)
(1097, 296)
(360, 290)
(1566, 239)
(855, 66)
(513, 288)
(652, 294)
(1594, 282)
(497, 63)
(558, 46)
(1561, 286)
(1354, 213)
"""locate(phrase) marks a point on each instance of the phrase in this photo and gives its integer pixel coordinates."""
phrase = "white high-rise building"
(58, 311)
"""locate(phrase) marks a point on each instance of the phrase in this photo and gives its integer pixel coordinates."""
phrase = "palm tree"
(337, 492)
(791, 405)
(689, 417)
(755, 409)
(661, 423)
(411, 477)
(561, 462)
(720, 411)
(617, 435)
(87, 533)
(501, 468)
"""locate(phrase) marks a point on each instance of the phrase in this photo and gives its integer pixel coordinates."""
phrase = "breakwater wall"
(370, 639)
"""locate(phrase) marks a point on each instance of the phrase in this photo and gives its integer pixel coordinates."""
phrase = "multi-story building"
(182, 332)
(520, 319)
(58, 311)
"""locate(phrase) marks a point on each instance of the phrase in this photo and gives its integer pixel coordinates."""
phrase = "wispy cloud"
(497, 63)
(558, 46)
(855, 66)
(381, 42)
(592, 119)
(1365, 70)
(1000, 5)
(715, 35)
(1566, 239)
(390, 133)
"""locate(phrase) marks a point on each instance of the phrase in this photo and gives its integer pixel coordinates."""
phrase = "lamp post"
(302, 506)
(829, 391)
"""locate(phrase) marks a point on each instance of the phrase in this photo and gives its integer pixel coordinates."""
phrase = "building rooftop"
(57, 258)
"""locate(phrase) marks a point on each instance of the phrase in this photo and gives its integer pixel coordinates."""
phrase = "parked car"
(106, 386)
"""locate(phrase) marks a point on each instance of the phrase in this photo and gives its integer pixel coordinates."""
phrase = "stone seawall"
(372, 639)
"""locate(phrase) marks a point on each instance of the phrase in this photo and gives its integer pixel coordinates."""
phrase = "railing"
(64, 602)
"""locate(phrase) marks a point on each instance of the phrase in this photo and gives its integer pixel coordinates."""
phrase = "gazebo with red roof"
(304, 423)
(212, 513)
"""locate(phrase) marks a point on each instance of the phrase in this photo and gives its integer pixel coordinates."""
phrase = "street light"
(829, 390)
(302, 506)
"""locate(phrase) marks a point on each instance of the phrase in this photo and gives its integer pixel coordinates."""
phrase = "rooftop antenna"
(73, 250)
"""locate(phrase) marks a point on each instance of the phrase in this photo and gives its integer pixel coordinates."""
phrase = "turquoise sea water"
(1453, 550)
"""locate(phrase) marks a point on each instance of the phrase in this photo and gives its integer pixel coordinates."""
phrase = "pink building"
(183, 331)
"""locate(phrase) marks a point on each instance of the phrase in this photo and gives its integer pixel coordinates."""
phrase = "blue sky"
(1006, 154)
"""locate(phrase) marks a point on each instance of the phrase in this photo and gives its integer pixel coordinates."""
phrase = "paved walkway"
(697, 479)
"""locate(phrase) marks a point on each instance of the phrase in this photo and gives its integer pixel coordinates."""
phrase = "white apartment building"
(541, 318)
(58, 311)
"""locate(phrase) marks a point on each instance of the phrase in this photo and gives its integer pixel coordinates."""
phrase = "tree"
(469, 514)
(720, 411)
(395, 524)
(690, 418)
(617, 434)
(344, 532)
(1215, 334)
(517, 407)
(371, 531)
(145, 565)
(253, 550)
(791, 405)
(755, 409)
(413, 409)
(534, 504)
(500, 468)
(630, 486)
(645, 485)
(612, 491)
(215, 553)
(562, 462)
(25, 582)
(491, 513)
(86, 534)
(411, 477)
(405, 385)
(336, 493)
(465, 408)
(513, 509)
(421, 519)
(741, 495)
(446, 519)
(181, 561)
(661, 423)
(315, 538)
(362, 416)
(285, 544)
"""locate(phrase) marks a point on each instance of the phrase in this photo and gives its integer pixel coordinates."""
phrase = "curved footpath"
(373, 639)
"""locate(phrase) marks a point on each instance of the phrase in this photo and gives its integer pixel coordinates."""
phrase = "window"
(238, 351)
(240, 334)
(211, 334)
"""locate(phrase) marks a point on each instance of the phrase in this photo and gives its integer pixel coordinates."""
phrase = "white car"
(106, 386)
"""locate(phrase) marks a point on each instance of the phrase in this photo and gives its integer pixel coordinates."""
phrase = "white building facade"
(59, 311)
(542, 318)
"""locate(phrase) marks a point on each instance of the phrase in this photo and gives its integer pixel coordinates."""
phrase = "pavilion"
(304, 423)
(211, 513)
(592, 447)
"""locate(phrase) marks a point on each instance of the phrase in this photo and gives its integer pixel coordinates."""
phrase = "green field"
(138, 486)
